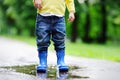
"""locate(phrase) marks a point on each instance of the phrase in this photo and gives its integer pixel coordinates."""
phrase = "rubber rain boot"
(60, 60)
(42, 67)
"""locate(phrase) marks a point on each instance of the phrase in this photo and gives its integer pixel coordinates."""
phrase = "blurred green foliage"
(18, 18)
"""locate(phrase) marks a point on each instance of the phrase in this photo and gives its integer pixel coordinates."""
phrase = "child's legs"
(42, 33)
(58, 36)
(43, 41)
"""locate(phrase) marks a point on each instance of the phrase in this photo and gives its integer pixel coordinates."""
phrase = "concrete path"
(11, 75)
(13, 53)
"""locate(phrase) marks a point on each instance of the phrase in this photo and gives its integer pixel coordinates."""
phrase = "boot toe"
(41, 68)
(63, 68)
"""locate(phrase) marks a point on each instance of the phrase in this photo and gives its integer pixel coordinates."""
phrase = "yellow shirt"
(56, 7)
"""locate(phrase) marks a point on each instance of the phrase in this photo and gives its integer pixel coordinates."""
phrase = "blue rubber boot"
(60, 60)
(42, 67)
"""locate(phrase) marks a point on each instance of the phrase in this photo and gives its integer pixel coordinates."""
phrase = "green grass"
(26, 39)
(108, 52)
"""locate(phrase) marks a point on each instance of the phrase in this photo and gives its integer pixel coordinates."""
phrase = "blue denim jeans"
(50, 27)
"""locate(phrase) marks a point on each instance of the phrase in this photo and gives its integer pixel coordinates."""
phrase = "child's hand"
(71, 17)
(38, 4)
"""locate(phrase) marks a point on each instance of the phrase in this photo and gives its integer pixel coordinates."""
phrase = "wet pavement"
(12, 75)
(13, 53)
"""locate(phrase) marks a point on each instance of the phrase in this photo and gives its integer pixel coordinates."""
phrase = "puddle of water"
(30, 69)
